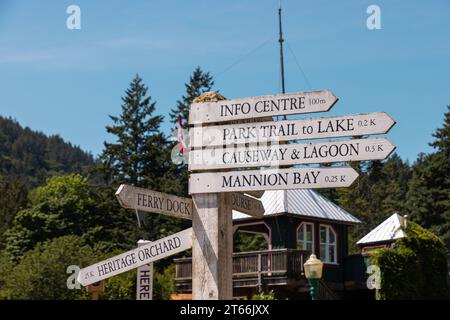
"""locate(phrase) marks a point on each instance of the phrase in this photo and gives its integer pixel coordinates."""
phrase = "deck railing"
(287, 262)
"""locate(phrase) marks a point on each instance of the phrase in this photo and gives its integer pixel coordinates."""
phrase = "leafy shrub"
(415, 268)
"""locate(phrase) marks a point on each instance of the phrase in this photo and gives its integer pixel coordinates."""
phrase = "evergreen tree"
(199, 83)
(137, 157)
(429, 187)
(13, 197)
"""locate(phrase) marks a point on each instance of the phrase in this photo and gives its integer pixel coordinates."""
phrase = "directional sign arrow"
(157, 202)
(263, 106)
(286, 130)
(152, 201)
(135, 258)
(290, 154)
(274, 179)
(247, 204)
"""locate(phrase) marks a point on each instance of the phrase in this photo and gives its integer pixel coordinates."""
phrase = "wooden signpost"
(287, 130)
(237, 134)
(135, 258)
(264, 106)
(290, 154)
(249, 140)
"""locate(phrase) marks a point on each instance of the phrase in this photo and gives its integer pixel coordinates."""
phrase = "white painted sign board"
(263, 106)
(287, 130)
(135, 258)
(273, 179)
(144, 281)
(152, 201)
(290, 154)
(247, 204)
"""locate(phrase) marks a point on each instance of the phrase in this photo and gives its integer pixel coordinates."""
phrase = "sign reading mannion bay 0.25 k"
(255, 144)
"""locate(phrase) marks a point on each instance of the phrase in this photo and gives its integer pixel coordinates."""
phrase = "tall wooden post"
(212, 247)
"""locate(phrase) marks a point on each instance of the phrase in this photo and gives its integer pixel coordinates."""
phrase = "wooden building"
(295, 224)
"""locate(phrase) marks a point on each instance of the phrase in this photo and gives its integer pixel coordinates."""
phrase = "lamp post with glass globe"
(313, 272)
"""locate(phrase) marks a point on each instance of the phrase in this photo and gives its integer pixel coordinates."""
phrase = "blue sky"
(66, 82)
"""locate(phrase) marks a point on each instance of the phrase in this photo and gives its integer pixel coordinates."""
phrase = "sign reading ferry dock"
(151, 201)
(135, 258)
(273, 179)
(157, 202)
(263, 106)
(286, 130)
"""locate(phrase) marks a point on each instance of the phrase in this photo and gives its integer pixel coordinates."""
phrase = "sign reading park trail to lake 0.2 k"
(135, 258)
(263, 106)
(290, 154)
(274, 179)
(286, 130)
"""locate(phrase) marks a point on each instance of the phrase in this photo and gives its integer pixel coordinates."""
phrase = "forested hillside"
(34, 156)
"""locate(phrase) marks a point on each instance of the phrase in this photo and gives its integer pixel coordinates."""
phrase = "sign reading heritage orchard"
(263, 106)
(286, 130)
(135, 258)
(290, 154)
(273, 179)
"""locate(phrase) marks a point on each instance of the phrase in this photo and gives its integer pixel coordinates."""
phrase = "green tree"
(138, 156)
(13, 197)
(379, 191)
(69, 205)
(199, 83)
(429, 187)
(42, 272)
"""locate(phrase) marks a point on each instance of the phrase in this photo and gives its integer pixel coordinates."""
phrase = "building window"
(328, 252)
(305, 237)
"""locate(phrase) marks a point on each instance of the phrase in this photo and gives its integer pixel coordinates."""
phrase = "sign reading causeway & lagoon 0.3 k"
(259, 144)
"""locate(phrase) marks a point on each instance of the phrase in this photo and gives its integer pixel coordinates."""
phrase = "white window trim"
(313, 235)
(329, 227)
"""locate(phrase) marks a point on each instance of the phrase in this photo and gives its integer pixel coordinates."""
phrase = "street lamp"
(313, 272)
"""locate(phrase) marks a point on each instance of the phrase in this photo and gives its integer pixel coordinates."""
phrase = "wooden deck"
(254, 269)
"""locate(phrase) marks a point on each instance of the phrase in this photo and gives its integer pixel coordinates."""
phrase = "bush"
(42, 274)
(164, 283)
(264, 296)
(415, 268)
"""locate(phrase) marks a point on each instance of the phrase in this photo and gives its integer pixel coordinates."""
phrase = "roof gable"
(388, 230)
(302, 203)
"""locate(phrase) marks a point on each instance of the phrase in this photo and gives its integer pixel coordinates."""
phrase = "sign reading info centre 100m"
(263, 106)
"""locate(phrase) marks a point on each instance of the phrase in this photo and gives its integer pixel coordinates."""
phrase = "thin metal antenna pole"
(280, 40)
